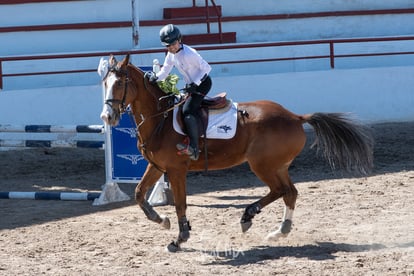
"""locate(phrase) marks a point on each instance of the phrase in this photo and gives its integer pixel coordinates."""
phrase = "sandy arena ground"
(342, 225)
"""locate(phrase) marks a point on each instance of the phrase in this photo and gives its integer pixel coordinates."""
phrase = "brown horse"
(268, 137)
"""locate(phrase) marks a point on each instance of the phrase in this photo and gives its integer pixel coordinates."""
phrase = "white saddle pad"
(220, 125)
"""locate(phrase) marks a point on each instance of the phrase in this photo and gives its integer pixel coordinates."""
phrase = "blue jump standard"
(49, 195)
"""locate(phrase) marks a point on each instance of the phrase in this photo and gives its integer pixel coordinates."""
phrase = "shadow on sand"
(318, 252)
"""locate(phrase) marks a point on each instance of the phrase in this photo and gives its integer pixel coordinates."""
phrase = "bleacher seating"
(86, 26)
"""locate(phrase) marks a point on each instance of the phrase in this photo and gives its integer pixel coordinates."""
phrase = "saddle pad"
(220, 125)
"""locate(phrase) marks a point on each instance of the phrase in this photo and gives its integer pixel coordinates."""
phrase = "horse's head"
(117, 90)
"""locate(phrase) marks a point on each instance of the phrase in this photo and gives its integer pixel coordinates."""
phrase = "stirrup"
(184, 149)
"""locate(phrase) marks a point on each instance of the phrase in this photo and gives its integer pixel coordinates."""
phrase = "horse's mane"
(142, 74)
(131, 65)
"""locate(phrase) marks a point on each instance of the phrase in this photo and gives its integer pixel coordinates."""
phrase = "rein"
(165, 112)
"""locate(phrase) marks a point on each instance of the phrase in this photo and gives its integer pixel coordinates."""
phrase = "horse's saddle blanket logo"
(220, 125)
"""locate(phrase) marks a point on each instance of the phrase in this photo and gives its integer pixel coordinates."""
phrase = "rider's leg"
(192, 130)
(190, 111)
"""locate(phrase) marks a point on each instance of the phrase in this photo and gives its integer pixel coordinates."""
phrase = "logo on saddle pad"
(221, 125)
(224, 128)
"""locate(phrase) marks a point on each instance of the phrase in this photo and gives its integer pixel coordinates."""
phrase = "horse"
(268, 138)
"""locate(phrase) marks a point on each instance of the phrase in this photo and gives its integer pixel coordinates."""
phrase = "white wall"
(74, 105)
(219, 70)
(66, 12)
(294, 29)
(371, 94)
(260, 7)
(37, 42)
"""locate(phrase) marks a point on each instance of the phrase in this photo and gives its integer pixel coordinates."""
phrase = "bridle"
(117, 71)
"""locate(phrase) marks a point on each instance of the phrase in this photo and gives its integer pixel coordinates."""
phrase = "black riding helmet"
(169, 34)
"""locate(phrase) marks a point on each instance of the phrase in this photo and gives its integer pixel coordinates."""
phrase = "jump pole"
(55, 143)
(52, 128)
(51, 144)
(49, 195)
(43, 195)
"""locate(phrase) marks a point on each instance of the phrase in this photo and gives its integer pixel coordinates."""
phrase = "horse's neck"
(146, 99)
(145, 106)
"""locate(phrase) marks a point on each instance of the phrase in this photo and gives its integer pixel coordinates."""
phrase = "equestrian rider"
(194, 70)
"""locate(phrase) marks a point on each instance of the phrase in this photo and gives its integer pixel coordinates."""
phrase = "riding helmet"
(169, 34)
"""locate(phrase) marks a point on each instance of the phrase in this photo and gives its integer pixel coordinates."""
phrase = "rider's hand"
(152, 77)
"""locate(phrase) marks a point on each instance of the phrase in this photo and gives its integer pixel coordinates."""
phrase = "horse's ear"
(112, 61)
(126, 60)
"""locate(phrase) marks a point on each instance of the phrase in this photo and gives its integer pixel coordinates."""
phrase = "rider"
(194, 70)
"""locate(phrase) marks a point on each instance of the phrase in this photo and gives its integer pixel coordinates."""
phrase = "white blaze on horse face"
(107, 112)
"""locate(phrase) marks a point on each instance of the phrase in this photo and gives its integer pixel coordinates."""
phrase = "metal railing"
(331, 56)
(218, 17)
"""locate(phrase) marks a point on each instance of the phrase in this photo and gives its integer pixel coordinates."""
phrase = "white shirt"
(188, 62)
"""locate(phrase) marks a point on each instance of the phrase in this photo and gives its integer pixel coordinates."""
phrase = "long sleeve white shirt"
(188, 62)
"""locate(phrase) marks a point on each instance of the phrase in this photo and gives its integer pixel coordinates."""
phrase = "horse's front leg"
(177, 180)
(150, 177)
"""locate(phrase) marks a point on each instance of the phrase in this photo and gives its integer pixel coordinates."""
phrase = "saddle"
(217, 104)
(219, 101)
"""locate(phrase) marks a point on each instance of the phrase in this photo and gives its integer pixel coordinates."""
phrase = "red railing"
(220, 31)
(217, 17)
(8, 2)
(331, 56)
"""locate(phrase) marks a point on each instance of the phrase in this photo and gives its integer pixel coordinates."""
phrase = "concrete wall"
(382, 92)
(66, 12)
(290, 29)
(371, 94)
(37, 42)
(260, 7)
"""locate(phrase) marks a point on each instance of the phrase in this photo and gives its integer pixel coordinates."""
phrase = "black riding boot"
(192, 132)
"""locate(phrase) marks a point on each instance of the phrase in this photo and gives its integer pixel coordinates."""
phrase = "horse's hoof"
(286, 226)
(173, 247)
(282, 232)
(165, 222)
(246, 225)
(274, 236)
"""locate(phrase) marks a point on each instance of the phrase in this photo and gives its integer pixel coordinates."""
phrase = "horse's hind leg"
(280, 185)
(150, 177)
(289, 197)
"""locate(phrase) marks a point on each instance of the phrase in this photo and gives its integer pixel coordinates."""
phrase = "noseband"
(117, 71)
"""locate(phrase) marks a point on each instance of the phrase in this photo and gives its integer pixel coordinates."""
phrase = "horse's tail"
(344, 143)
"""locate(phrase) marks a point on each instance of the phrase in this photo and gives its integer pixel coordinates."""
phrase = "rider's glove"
(152, 77)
